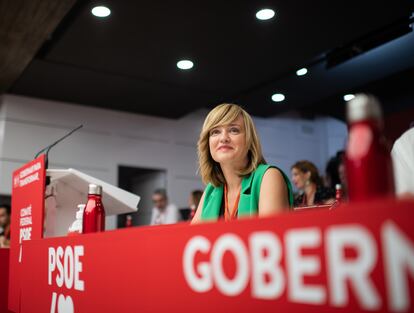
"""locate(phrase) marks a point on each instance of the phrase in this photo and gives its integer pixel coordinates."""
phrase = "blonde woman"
(231, 163)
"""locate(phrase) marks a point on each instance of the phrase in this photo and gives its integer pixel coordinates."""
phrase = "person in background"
(305, 177)
(331, 178)
(187, 213)
(163, 212)
(194, 200)
(402, 154)
(342, 178)
(4, 225)
(231, 163)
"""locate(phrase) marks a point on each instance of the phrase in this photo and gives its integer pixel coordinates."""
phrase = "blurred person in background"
(342, 178)
(163, 212)
(331, 178)
(306, 178)
(239, 182)
(4, 225)
(193, 201)
(187, 213)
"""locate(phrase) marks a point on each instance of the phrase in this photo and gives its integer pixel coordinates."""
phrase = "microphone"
(47, 149)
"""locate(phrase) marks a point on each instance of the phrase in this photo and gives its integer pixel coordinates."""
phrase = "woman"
(239, 182)
(306, 178)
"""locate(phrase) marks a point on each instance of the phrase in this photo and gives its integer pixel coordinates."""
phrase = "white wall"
(111, 138)
(286, 140)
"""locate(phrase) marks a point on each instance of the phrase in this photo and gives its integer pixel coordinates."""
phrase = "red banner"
(4, 279)
(26, 219)
(356, 258)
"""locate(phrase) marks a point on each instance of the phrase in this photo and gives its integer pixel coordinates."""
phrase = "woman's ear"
(308, 175)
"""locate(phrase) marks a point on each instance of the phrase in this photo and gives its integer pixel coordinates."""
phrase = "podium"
(40, 210)
(354, 258)
(68, 188)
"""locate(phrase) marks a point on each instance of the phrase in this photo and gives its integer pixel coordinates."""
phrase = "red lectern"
(31, 220)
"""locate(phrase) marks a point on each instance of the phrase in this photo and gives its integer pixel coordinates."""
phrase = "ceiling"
(127, 61)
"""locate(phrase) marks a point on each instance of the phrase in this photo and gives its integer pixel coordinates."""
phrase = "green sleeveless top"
(249, 195)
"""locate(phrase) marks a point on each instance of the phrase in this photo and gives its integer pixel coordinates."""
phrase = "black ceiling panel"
(128, 60)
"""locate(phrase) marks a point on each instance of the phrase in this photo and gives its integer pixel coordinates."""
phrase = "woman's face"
(228, 143)
(299, 178)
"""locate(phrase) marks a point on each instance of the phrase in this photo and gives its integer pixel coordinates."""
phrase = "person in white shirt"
(403, 160)
(163, 212)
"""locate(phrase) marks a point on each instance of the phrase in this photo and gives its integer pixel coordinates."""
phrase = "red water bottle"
(367, 159)
(338, 197)
(94, 213)
(128, 221)
(338, 193)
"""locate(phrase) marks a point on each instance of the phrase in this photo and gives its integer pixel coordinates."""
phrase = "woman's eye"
(214, 132)
(234, 130)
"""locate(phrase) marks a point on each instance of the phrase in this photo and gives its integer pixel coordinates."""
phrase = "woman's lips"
(224, 148)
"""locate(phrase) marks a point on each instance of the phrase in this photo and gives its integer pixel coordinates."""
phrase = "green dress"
(249, 196)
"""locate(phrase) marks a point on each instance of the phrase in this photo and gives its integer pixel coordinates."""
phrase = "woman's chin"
(225, 160)
(298, 187)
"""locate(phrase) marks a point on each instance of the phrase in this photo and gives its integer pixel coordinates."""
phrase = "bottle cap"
(95, 189)
(338, 186)
(363, 107)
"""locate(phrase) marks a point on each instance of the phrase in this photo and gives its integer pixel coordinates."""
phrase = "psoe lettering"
(65, 266)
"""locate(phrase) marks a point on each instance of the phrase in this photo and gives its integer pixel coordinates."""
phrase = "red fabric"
(4, 279)
(144, 268)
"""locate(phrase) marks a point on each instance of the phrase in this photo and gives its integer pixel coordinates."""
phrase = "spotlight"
(302, 71)
(278, 97)
(101, 11)
(265, 14)
(185, 64)
(349, 96)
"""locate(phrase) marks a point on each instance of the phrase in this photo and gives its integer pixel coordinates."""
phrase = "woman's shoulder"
(209, 189)
(276, 175)
(269, 170)
(262, 168)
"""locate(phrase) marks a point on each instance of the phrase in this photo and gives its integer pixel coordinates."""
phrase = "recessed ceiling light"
(349, 96)
(185, 64)
(101, 11)
(265, 14)
(278, 97)
(302, 71)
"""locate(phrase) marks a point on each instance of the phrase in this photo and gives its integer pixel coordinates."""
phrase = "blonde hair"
(224, 114)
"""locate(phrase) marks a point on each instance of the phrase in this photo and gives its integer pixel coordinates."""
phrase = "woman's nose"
(224, 136)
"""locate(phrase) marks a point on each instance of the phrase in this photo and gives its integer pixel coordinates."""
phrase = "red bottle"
(338, 193)
(338, 196)
(94, 213)
(367, 159)
(128, 221)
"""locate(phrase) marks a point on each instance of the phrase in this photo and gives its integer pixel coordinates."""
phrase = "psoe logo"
(65, 267)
